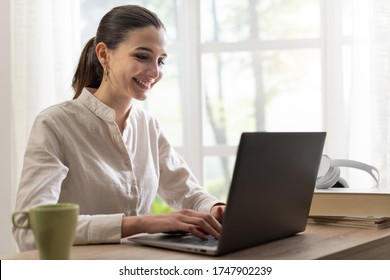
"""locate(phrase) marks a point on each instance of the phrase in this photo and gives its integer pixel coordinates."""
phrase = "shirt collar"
(96, 106)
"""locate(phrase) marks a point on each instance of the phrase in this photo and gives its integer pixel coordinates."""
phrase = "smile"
(144, 84)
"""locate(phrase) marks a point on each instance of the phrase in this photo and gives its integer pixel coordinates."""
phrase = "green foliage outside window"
(159, 207)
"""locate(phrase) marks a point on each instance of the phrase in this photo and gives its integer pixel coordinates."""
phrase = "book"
(359, 222)
(351, 203)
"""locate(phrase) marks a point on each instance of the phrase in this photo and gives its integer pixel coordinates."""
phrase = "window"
(234, 66)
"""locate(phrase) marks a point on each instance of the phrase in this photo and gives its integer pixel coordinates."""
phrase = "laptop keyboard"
(191, 239)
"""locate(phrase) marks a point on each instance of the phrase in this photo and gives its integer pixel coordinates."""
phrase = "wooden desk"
(317, 242)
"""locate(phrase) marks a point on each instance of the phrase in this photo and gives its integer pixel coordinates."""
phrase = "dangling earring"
(106, 72)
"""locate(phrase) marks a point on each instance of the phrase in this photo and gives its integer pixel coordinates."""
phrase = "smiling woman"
(107, 155)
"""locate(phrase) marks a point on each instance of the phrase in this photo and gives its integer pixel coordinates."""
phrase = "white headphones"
(329, 172)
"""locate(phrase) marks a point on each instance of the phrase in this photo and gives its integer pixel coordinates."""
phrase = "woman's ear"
(102, 53)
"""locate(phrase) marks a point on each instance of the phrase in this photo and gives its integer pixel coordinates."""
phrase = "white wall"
(7, 244)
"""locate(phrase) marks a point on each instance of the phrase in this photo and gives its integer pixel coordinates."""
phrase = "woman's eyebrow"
(150, 50)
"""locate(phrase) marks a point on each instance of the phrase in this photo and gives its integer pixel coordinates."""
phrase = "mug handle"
(21, 213)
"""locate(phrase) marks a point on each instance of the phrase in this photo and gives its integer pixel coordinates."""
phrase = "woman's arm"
(178, 185)
(199, 224)
(44, 170)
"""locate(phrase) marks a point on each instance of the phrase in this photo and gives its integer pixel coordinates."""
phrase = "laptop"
(269, 198)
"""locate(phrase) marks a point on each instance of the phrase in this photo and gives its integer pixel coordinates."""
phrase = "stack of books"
(360, 222)
(351, 207)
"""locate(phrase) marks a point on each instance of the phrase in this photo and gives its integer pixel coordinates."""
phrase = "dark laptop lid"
(272, 187)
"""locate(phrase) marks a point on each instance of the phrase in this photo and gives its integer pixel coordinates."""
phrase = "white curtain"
(380, 54)
(45, 46)
(369, 99)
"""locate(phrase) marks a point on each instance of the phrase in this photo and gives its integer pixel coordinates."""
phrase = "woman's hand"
(217, 211)
(196, 223)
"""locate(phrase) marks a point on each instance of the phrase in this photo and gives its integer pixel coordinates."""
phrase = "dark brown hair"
(113, 29)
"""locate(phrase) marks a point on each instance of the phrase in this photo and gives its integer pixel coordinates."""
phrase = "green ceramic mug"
(54, 228)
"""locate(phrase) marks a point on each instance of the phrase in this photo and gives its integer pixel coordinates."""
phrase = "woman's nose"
(153, 71)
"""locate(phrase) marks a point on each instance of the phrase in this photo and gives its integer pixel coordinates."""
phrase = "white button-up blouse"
(77, 154)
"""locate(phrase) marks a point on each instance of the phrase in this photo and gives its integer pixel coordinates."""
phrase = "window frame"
(330, 44)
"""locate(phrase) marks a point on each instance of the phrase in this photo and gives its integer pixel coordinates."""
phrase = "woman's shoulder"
(58, 111)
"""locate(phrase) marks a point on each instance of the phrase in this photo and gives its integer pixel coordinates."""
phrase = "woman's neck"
(121, 106)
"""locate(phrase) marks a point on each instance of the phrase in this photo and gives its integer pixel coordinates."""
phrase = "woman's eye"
(141, 57)
(145, 58)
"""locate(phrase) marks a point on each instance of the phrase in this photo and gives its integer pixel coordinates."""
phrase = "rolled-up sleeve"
(95, 229)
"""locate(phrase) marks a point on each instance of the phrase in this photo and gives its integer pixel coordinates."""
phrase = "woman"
(108, 156)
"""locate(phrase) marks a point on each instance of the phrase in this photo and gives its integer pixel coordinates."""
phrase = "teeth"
(146, 84)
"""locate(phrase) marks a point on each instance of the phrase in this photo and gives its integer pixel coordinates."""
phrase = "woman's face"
(135, 66)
